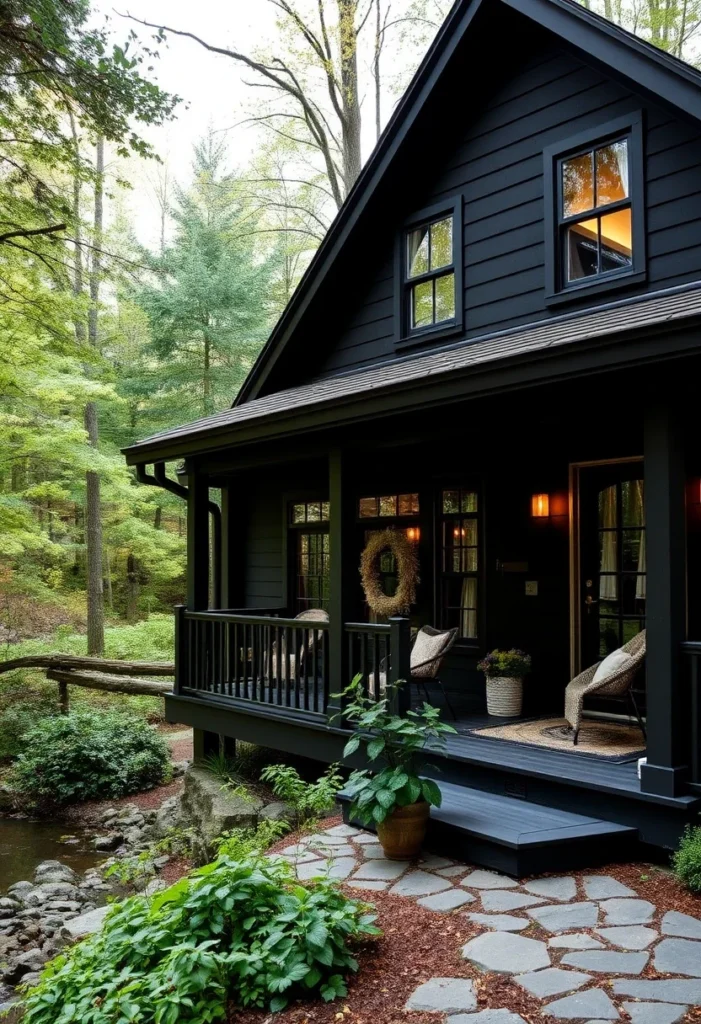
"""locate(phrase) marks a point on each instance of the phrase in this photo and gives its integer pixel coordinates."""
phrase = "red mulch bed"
(419, 944)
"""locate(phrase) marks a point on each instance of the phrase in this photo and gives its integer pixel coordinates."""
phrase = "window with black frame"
(396, 511)
(309, 525)
(596, 211)
(460, 560)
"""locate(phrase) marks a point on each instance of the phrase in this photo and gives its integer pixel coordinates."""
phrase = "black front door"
(612, 576)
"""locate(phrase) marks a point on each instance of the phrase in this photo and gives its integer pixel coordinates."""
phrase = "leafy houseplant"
(396, 799)
(505, 671)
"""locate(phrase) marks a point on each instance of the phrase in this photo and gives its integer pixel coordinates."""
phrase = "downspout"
(160, 479)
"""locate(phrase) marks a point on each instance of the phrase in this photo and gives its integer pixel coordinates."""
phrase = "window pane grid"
(430, 273)
(389, 506)
(596, 212)
(460, 561)
(304, 512)
(312, 570)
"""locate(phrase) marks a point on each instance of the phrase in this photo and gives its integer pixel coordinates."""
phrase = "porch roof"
(408, 381)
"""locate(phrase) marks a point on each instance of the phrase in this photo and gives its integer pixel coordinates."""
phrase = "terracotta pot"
(504, 696)
(403, 832)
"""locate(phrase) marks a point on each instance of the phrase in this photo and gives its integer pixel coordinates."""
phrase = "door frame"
(575, 469)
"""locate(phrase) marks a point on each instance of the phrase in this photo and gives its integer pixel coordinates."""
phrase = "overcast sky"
(211, 86)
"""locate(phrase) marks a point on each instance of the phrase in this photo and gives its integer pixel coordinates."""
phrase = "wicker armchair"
(289, 662)
(430, 667)
(615, 686)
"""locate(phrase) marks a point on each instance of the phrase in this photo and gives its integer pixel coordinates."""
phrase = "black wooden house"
(496, 350)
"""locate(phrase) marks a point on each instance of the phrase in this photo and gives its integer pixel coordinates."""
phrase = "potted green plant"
(505, 671)
(396, 799)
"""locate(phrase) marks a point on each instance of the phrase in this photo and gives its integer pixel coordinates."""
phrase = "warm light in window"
(413, 534)
(540, 506)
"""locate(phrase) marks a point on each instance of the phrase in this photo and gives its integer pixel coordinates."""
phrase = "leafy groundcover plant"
(400, 743)
(242, 930)
(88, 756)
(687, 860)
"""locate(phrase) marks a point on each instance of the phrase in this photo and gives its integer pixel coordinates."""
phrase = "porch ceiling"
(415, 380)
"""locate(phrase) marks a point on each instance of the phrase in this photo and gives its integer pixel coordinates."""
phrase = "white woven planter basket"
(504, 696)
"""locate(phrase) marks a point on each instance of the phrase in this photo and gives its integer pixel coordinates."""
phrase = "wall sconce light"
(413, 534)
(540, 506)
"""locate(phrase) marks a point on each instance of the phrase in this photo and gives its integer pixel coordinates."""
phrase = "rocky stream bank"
(145, 850)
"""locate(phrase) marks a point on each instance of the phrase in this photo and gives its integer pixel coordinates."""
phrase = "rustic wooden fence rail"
(97, 674)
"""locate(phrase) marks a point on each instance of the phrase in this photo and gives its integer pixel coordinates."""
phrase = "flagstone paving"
(577, 976)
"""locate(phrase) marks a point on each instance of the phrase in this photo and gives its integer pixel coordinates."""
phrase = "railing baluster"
(286, 667)
(278, 666)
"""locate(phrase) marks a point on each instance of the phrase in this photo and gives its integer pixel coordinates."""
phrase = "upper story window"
(595, 235)
(429, 272)
(597, 222)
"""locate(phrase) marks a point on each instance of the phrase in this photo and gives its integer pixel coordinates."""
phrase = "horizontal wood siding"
(264, 552)
(497, 165)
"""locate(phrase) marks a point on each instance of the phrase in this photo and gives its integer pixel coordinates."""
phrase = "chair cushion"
(430, 649)
(613, 662)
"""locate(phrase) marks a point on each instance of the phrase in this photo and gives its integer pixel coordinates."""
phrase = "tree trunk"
(77, 250)
(376, 68)
(93, 511)
(348, 42)
(113, 684)
(76, 661)
(132, 609)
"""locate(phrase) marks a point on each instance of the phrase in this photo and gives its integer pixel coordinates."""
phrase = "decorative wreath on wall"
(407, 572)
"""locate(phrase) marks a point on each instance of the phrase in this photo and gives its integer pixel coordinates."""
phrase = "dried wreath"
(407, 572)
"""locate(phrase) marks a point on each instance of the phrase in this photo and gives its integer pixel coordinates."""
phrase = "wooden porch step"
(521, 838)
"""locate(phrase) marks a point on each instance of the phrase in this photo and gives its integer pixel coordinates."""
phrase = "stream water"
(25, 843)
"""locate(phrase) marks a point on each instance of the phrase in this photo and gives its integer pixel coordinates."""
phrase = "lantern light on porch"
(413, 534)
(540, 506)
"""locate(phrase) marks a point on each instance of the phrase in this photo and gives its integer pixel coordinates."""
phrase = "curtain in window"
(641, 585)
(608, 585)
(468, 607)
(622, 160)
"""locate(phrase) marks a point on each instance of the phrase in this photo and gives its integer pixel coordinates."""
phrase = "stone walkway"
(600, 934)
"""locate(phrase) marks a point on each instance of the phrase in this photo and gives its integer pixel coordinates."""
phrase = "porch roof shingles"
(410, 371)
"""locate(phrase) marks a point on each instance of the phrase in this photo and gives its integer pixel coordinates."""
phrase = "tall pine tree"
(208, 302)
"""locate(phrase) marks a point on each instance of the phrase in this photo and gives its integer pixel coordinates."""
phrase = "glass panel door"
(613, 580)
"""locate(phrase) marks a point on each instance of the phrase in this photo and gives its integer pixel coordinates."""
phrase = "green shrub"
(309, 800)
(242, 930)
(239, 843)
(687, 860)
(88, 756)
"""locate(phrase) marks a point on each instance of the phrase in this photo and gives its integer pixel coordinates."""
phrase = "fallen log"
(114, 684)
(73, 661)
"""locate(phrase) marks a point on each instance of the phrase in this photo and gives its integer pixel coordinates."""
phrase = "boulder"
(7, 799)
(9, 907)
(59, 890)
(19, 890)
(213, 809)
(54, 871)
(109, 842)
(169, 815)
(277, 811)
(85, 924)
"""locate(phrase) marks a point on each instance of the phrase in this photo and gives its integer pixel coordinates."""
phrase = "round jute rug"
(596, 738)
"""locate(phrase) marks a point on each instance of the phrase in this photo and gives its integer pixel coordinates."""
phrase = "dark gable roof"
(651, 71)
(674, 309)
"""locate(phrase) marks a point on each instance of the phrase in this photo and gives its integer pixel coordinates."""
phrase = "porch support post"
(197, 541)
(665, 520)
(341, 576)
(205, 743)
(230, 578)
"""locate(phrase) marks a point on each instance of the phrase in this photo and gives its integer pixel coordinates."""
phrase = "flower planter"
(504, 696)
(403, 832)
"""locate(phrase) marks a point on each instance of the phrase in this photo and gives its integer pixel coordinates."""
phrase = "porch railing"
(257, 658)
(276, 662)
(693, 651)
(379, 653)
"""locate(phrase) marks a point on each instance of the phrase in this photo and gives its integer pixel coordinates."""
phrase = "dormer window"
(594, 184)
(429, 272)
